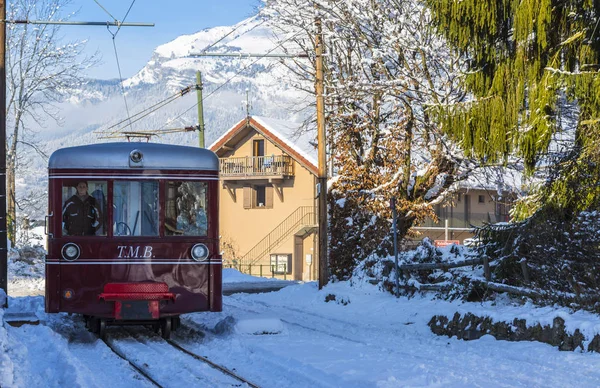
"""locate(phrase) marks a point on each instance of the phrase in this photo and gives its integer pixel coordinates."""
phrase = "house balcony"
(257, 167)
(462, 221)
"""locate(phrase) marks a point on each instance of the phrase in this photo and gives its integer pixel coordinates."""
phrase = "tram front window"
(84, 208)
(135, 208)
(185, 213)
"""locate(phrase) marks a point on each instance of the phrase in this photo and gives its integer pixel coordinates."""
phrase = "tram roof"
(117, 156)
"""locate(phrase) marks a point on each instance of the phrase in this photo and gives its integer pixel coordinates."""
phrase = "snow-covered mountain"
(226, 80)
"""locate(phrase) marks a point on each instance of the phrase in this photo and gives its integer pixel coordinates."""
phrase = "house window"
(260, 196)
(481, 199)
(281, 263)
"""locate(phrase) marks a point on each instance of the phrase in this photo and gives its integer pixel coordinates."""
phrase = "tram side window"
(135, 208)
(185, 213)
(84, 208)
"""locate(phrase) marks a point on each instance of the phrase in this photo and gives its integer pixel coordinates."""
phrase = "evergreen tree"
(533, 75)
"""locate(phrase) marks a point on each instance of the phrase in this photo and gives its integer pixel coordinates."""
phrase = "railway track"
(196, 370)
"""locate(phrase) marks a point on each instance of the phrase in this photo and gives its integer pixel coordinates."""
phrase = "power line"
(124, 17)
(121, 81)
(167, 100)
(117, 57)
(158, 106)
(266, 55)
(184, 91)
(233, 30)
(105, 10)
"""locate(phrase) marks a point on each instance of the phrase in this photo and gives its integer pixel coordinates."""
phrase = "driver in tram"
(81, 214)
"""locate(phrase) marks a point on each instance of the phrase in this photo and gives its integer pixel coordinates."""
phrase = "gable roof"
(272, 130)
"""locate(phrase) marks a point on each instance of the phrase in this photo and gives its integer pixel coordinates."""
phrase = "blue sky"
(136, 44)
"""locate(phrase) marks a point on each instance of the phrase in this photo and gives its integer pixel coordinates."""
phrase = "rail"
(280, 165)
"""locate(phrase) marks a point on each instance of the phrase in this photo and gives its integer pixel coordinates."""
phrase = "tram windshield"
(185, 213)
(135, 208)
(84, 208)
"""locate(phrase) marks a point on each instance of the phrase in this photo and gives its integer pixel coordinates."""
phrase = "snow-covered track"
(146, 352)
(139, 369)
(214, 365)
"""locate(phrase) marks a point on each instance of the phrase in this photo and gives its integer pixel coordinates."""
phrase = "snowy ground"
(365, 338)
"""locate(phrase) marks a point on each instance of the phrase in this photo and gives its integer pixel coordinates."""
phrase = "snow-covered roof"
(279, 132)
(500, 179)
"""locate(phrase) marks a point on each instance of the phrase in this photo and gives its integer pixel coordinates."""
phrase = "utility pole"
(200, 109)
(3, 236)
(321, 139)
(3, 224)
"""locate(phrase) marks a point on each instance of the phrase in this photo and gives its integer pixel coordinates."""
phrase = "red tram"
(133, 234)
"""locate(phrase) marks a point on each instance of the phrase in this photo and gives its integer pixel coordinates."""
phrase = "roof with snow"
(276, 131)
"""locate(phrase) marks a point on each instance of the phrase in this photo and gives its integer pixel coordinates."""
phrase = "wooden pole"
(200, 109)
(3, 245)
(322, 178)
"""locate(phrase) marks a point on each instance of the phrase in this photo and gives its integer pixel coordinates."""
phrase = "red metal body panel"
(104, 260)
(136, 291)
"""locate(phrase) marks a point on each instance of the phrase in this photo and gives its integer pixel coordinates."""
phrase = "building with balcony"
(469, 206)
(268, 219)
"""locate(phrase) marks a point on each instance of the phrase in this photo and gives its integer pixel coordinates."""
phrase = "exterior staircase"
(301, 220)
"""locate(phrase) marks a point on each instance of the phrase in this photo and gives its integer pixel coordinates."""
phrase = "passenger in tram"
(81, 214)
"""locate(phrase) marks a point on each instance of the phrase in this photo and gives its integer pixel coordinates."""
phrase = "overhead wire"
(179, 94)
(232, 31)
(233, 76)
(124, 17)
(159, 104)
(119, 23)
(105, 10)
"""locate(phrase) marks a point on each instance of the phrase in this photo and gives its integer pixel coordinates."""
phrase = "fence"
(262, 270)
(487, 273)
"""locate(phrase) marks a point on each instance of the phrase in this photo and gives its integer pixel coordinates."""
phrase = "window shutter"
(247, 197)
(269, 197)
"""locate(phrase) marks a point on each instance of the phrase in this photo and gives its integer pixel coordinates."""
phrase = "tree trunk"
(11, 212)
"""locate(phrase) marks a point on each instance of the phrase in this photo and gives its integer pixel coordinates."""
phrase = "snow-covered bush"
(559, 250)
(447, 283)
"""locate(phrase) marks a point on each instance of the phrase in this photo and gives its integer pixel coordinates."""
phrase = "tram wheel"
(102, 328)
(165, 327)
(176, 323)
(92, 324)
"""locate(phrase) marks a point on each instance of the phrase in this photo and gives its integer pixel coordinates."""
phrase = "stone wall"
(470, 327)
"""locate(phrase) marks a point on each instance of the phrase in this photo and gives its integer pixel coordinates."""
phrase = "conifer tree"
(533, 74)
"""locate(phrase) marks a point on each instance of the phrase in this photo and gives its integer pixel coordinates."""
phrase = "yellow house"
(268, 218)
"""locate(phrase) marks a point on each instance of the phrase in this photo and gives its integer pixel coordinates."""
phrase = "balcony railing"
(257, 166)
(463, 221)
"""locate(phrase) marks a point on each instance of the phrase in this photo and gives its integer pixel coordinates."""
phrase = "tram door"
(135, 208)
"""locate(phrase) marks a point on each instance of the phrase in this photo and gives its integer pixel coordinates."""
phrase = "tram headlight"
(199, 252)
(70, 251)
(136, 156)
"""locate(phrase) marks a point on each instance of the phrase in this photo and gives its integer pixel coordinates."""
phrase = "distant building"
(468, 207)
(268, 214)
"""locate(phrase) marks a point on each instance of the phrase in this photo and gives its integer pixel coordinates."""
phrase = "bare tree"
(41, 69)
(385, 67)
